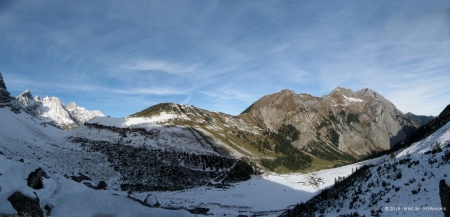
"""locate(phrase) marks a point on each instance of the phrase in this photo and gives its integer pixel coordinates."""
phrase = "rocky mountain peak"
(369, 92)
(26, 94)
(49, 109)
(26, 98)
(5, 96)
(339, 92)
(2, 83)
(287, 91)
(348, 122)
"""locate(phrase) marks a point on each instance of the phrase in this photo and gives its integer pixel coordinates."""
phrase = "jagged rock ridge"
(49, 109)
(53, 111)
(420, 119)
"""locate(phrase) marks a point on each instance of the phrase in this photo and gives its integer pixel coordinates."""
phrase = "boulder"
(34, 180)
(25, 206)
(81, 178)
(101, 185)
(151, 201)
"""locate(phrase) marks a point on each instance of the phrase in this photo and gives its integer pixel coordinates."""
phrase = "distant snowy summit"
(54, 112)
(49, 109)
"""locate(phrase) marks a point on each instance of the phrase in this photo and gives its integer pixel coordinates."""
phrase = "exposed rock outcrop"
(34, 180)
(81, 177)
(5, 96)
(444, 193)
(101, 185)
(26, 205)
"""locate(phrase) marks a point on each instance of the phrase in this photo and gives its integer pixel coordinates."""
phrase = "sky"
(121, 57)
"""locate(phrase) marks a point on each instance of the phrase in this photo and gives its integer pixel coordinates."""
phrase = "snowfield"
(67, 197)
(405, 184)
(352, 99)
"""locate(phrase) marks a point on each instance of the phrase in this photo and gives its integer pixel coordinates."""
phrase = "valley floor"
(267, 195)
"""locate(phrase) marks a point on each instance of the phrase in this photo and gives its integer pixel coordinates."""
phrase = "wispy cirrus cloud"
(150, 65)
(224, 55)
(151, 91)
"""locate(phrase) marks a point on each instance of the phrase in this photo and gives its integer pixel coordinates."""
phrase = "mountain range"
(49, 109)
(213, 162)
(54, 112)
(343, 126)
(339, 127)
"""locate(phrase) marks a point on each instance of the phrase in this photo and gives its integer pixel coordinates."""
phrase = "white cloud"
(151, 91)
(149, 65)
(279, 48)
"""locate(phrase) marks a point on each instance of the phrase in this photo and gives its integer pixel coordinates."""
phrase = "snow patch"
(351, 99)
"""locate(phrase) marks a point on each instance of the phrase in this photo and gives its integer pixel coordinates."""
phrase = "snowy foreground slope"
(68, 198)
(405, 184)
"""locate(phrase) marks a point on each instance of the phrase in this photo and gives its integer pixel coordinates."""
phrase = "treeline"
(293, 158)
(263, 145)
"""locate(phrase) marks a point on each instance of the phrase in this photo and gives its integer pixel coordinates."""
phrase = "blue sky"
(123, 56)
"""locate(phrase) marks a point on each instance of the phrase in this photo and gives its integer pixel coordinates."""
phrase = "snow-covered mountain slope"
(139, 132)
(89, 151)
(403, 184)
(223, 129)
(54, 112)
(81, 114)
(28, 138)
(66, 197)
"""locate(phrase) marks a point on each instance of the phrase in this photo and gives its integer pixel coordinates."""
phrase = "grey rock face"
(355, 123)
(5, 96)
